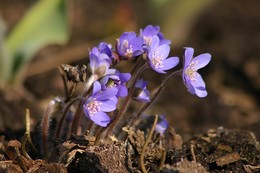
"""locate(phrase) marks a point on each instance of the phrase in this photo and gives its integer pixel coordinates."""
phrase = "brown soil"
(218, 150)
(232, 78)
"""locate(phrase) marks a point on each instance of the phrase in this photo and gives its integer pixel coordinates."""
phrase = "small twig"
(249, 168)
(141, 160)
(23, 142)
(20, 159)
(162, 159)
(27, 136)
(27, 122)
(192, 151)
(28, 128)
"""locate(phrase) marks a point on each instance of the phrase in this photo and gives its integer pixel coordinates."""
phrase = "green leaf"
(45, 23)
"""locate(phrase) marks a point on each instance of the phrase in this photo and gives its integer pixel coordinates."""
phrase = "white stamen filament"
(157, 60)
(191, 71)
(93, 107)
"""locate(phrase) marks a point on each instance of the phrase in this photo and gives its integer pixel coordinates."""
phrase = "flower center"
(113, 83)
(93, 107)
(129, 48)
(157, 60)
(191, 71)
(147, 40)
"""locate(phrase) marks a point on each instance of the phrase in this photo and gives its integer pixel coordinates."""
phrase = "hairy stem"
(157, 92)
(64, 113)
(46, 123)
(120, 116)
(138, 64)
(79, 110)
(75, 121)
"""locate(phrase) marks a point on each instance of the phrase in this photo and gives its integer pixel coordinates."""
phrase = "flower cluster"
(108, 91)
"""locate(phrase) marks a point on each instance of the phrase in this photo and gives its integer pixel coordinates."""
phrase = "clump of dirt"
(222, 150)
(81, 155)
(14, 158)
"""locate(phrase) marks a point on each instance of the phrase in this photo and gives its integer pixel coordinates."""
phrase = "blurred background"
(38, 36)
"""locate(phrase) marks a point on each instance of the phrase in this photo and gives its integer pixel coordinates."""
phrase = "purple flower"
(99, 103)
(162, 125)
(150, 31)
(158, 56)
(141, 93)
(192, 79)
(99, 64)
(129, 45)
(117, 80)
(105, 48)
